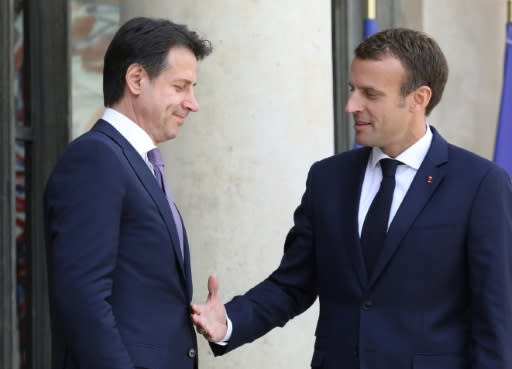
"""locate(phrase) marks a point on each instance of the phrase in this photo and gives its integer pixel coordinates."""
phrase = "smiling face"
(383, 117)
(161, 105)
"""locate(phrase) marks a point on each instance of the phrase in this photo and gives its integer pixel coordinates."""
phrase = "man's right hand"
(210, 318)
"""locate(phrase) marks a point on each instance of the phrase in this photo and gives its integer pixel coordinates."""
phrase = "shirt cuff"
(227, 337)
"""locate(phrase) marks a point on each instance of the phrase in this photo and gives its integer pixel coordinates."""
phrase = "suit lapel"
(351, 195)
(415, 200)
(148, 181)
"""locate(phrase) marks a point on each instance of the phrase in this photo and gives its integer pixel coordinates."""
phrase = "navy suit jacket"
(119, 288)
(440, 295)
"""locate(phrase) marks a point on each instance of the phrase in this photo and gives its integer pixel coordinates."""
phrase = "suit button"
(192, 353)
(367, 304)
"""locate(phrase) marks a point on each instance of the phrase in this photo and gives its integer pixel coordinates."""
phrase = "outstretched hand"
(210, 317)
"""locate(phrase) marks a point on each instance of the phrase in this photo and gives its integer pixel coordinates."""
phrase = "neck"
(408, 139)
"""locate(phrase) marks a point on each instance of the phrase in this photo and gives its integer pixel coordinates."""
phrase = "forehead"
(385, 72)
(181, 64)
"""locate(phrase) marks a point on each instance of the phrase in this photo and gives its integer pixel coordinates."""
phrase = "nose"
(191, 103)
(353, 104)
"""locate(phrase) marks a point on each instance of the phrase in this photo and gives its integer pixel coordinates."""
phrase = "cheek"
(166, 109)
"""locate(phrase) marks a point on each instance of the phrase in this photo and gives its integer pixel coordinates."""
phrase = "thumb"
(213, 286)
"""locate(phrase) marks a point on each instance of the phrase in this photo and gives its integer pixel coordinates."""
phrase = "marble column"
(239, 165)
(472, 36)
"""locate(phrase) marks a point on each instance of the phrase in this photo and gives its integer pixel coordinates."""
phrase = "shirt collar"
(412, 157)
(130, 130)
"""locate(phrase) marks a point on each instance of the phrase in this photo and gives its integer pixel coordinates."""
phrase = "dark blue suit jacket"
(119, 288)
(440, 296)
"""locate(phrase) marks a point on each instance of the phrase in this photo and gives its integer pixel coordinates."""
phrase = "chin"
(170, 133)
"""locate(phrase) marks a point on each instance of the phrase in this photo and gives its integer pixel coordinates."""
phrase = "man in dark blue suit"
(407, 242)
(118, 258)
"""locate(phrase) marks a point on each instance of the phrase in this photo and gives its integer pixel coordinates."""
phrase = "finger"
(197, 320)
(196, 309)
(201, 329)
(199, 323)
(213, 286)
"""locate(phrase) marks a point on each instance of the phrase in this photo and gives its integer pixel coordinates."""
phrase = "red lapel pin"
(428, 179)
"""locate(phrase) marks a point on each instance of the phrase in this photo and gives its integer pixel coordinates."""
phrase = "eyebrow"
(186, 81)
(365, 87)
(378, 92)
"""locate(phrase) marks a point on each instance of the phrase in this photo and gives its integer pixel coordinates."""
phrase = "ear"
(420, 98)
(133, 78)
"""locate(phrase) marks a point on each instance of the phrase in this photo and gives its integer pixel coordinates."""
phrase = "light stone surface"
(472, 35)
(238, 167)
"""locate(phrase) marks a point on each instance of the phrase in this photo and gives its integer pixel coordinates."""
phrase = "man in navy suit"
(433, 288)
(118, 259)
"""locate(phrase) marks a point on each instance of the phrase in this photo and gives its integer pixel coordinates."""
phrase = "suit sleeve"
(490, 269)
(83, 205)
(287, 292)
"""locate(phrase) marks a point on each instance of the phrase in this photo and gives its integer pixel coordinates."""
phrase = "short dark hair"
(145, 41)
(420, 55)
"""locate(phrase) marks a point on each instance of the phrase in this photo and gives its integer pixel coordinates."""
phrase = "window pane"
(22, 249)
(19, 65)
(22, 256)
(93, 24)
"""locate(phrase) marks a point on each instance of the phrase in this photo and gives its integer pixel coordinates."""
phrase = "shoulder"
(92, 156)
(470, 164)
(461, 163)
(348, 160)
(91, 146)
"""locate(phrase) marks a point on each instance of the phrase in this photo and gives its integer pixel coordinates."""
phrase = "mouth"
(360, 121)
(361, 124)
(181, 118)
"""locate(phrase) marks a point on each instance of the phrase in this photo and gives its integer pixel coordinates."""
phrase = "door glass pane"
(93, 24)
(19, 64)
(22, 249)
(22, 256)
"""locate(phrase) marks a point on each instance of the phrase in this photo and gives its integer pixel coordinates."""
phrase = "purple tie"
(155, 158)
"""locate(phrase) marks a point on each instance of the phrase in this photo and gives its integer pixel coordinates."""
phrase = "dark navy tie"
(375, 224)
(155, 158)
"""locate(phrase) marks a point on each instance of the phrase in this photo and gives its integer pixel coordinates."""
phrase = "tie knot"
(155, 157)
(388, 167)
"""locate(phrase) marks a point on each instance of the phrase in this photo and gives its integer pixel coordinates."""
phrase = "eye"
(370, 93)
(179, 88)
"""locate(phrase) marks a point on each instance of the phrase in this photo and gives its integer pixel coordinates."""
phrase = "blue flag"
(369, 27)
(503, 148)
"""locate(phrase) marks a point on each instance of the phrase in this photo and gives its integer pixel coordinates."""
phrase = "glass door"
(34, 126)
(23, 138)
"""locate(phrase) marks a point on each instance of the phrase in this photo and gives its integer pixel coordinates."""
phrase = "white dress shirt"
(411, 159)
(132, 132)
